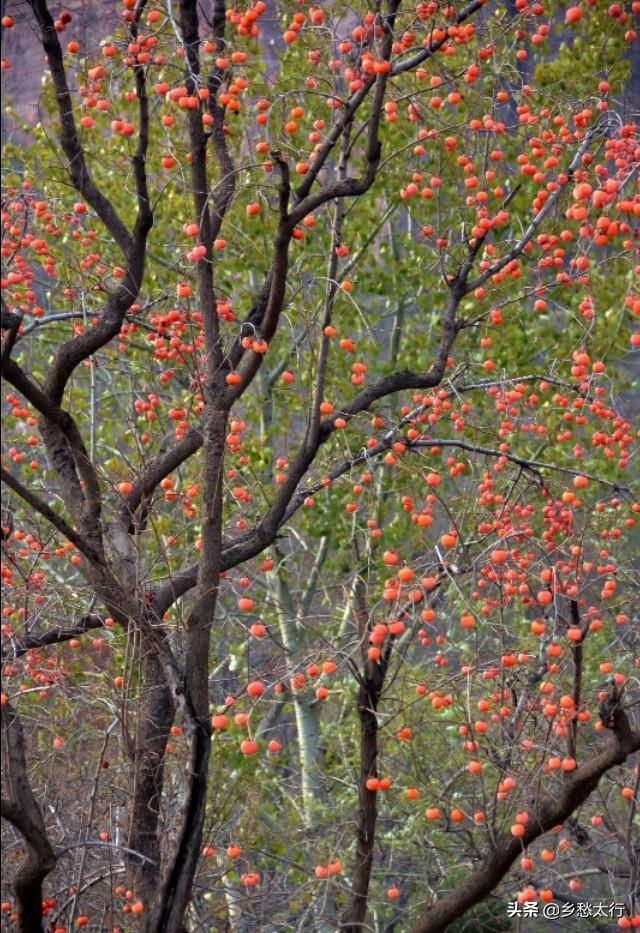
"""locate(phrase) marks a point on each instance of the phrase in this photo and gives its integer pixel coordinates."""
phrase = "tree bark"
(307, 714)
(155, 716)
(551, 810)
(176, 888)
(21, 809)
(368, 698)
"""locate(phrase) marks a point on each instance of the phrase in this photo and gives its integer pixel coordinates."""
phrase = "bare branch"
(427, 52)
(544, 212)
(156, 471)
(78, 169)
(52, 636)
(551, 809)
(68, 455)
(52, 517)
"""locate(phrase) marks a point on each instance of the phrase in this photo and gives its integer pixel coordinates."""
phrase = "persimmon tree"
(318, 512)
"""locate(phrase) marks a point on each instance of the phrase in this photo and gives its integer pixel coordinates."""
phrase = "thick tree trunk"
(28, 888)
(176, 888)
(155, 716)
(21, 809)
(368, 697)
(175, 892)
(310, 752)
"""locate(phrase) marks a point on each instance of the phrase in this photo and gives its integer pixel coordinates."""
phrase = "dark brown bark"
(155, 716)
(353, 187)
(267, 326)
(49, 514)
(368, 699)
(576, 657)
(76, 474)
(77, 477)
(52, 636)
(176, 888)
(354, 102)
(550, 811)
(133, 245)
(11, 324)
(162, 466)
(177, 883)
(20, 808)
(78, 169)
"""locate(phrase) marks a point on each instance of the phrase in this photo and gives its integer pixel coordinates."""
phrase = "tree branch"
(287, 500)
(353, 187)
(67, 452)
(430, 50)
(145, 214)
(11, 323)
(551, 809)
(78, 169)
(544, 212)
(576, 656)
(72, 353)
(156, 471)
(52, 517)
(277, 282)
(52, 636)
(21, 809)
